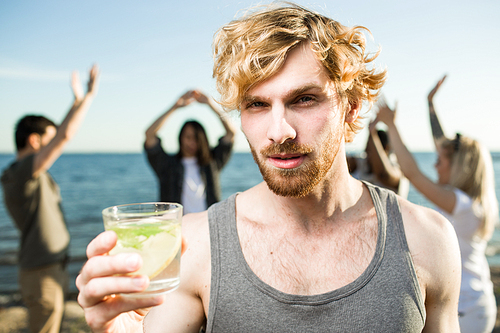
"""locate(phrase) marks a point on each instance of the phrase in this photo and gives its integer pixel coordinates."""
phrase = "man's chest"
(313, 263)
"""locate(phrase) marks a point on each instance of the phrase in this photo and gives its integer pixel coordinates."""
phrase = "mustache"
(288, 147)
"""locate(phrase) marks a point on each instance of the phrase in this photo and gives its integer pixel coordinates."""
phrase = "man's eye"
(305, 99)
(255, 105)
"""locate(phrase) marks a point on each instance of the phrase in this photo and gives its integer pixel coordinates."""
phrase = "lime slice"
(159, 251)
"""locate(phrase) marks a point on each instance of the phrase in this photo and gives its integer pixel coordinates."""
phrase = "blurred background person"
(378, 164)
(465, 194)
(33, 200)
(190, 177)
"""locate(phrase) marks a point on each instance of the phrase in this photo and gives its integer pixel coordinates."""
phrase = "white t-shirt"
(193, 189)
(476, 282)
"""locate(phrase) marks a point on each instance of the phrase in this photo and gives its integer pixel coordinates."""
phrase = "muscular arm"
(151, 132)
(428, 233)
(48, 154)
(437, 130)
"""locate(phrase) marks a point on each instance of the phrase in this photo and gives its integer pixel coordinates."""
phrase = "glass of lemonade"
(154, 231)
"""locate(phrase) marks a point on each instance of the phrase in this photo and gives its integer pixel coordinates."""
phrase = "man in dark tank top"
(310, 249)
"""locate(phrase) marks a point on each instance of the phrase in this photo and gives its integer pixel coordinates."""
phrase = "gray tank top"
(385, 298)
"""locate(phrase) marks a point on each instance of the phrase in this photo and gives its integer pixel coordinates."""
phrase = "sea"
(91, 182)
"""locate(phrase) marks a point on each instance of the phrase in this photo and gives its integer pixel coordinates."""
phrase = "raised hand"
(93, 84)
(385, 113)
(435, 89)
(76, 86)
(436, 128)
(185, 99)
(373, 124)
(200, 97)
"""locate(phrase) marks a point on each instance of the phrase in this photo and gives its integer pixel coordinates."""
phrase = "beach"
(13, 316)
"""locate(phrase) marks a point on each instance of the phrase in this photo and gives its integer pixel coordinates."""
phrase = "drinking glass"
(154, 231)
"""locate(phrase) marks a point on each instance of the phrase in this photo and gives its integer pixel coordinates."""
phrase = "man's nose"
(279, 127)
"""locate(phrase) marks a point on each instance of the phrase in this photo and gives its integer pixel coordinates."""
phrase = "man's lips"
(286, 161)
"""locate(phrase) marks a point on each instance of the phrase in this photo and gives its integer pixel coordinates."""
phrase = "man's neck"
(329, 201)
(26, 151)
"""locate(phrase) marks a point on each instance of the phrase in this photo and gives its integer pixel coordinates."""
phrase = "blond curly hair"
(249, 50)
(472, 172)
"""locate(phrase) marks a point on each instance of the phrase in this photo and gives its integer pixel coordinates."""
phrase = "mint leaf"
(134, 237)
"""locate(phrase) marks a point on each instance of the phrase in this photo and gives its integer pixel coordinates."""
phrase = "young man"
(311, 249)
(33, 201)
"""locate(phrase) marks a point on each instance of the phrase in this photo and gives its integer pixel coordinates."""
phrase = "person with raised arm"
(190, 177)
(33, 200)
(378, 164)
(310, 249)
(465, 194)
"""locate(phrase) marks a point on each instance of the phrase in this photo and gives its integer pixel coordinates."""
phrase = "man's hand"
(101, 280)
(93, 84)
(76, 86)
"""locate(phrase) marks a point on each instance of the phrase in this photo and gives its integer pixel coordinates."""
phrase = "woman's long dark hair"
(203, 155)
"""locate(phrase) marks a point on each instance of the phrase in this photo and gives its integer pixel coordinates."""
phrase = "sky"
(151, 52)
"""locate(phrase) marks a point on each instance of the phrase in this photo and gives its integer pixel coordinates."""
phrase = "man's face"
(294, 124)
(50, 133)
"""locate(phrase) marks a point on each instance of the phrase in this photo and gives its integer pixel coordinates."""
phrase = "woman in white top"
(465, 194)
(190, 177)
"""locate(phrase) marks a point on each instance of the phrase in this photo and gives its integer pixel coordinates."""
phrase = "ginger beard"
(297, 182)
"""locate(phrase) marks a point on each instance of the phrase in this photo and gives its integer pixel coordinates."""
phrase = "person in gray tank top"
(310, 249)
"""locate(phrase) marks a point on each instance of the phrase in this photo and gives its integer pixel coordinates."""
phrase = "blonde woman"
(465, 194)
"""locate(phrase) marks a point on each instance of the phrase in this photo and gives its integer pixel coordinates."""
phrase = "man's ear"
(34, 140)
(353, 112)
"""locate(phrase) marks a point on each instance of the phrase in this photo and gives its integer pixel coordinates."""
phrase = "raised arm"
(151, 132)
(437, 130)
(48, 154)
(437, 194)
(228, 125)
(382, 167)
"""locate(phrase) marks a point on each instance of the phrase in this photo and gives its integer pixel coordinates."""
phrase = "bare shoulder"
(426, 223)
(197, 236)
(195, 226)
(434, 248)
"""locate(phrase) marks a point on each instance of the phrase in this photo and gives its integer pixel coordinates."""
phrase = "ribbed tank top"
(386, 297)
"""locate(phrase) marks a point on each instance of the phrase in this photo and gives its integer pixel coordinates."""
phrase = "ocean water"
(91, 182)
